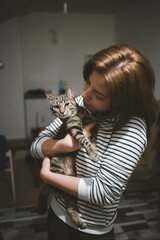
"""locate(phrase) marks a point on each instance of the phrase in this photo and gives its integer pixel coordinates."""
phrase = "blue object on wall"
(61, 87)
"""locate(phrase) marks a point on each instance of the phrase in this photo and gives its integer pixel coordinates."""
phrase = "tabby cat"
(72, 115)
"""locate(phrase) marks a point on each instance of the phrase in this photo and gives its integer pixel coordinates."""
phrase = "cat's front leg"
(76, 130)
(85, 142)
(92, 152)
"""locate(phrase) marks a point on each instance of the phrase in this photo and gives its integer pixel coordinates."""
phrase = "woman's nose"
(87, 94)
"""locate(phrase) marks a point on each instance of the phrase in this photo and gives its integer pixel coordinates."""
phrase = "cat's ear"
(49, 96)
(70, 92)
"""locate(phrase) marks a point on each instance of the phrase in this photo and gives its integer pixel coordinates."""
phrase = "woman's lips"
(87, 105)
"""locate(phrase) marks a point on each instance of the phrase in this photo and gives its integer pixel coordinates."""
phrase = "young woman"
(119, 82)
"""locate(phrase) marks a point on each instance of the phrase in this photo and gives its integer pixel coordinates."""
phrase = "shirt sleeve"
(49, 133)
(116, 165)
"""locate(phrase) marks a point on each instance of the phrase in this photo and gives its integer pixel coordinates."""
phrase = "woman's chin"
(89, 107)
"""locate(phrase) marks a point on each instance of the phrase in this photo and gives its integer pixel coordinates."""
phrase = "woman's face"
(96, 96)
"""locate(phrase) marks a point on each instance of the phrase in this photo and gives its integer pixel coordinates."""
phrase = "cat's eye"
(56, 106)
(67, 104)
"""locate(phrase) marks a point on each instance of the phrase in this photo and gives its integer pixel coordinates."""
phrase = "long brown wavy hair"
(130, 79)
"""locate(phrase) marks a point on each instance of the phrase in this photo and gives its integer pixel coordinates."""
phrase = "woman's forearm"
(66, 183)
(53, 147)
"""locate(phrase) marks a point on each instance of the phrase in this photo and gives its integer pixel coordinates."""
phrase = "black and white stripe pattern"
(119, 154)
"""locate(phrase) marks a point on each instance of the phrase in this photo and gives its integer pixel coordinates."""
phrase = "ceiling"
(13, 8)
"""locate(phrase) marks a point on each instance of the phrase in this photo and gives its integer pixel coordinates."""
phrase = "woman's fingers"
(90, 125)
(87, 129)
(45, 167)
(72, 144)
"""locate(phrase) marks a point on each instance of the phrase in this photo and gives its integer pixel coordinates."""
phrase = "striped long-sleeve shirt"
(102, 183)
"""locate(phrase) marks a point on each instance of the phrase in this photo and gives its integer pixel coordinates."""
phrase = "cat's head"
(63, 106)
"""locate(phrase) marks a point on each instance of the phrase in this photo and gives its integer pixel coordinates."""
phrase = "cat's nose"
(62, 110)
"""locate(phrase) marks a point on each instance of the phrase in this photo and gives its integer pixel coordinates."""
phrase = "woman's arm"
(123, 152)
(49, 133)
(53, 147)
(118, 161)
(66, 183)
(46, 146)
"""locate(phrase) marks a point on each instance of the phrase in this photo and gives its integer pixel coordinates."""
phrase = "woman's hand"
(87, 129)
(71, 144)
(45, 169)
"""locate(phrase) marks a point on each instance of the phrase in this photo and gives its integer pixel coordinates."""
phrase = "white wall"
(33, 61)
(45, 62)
(11, 81)
(138, 25)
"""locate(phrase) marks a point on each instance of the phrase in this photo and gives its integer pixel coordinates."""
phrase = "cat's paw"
(82, 225)
(94, 156)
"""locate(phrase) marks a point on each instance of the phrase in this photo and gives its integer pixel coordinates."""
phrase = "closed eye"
(97, 94)
(99, 97)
